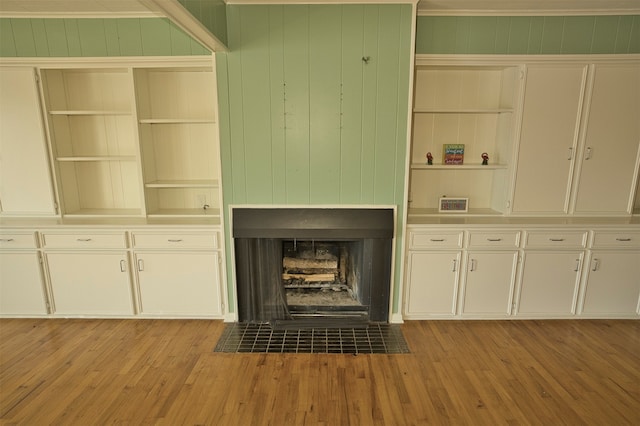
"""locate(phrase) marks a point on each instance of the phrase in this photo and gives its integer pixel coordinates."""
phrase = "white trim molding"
(527, 7)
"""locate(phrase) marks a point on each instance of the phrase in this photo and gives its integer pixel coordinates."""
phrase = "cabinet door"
(489, 282)
(613, 283)
(21, 288)
(549, 282)
(94, 283)
(179, 283)
(612, 141)
(548, 138)
(432, 284)
(25, 180)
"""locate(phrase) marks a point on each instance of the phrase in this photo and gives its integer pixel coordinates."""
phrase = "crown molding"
(288, 2)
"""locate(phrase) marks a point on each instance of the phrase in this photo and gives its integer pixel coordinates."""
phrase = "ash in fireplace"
(320, 297)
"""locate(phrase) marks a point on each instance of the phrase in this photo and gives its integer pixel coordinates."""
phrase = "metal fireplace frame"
(375, 227)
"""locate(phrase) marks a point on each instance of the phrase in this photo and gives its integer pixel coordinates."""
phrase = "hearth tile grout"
(261, 338)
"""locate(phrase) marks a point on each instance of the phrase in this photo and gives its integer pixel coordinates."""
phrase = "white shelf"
(87, 212)
(417, 166)
(99, 158)
(472, 105)
(201, 183)
(211, 212)
(88, 112)
(463, 111)
(177, 121)
(422, 212)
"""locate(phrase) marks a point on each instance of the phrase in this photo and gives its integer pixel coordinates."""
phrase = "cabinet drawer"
(621, 239)
(175, 240)
(559, 239)
(434, 240)
(17, 241)
(84, 240)
(498, 239)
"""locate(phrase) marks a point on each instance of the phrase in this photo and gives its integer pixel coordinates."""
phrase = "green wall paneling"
(211, 13)
(530, 35)
(94, 37)
(304, 119)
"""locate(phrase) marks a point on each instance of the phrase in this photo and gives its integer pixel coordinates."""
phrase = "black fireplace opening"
(314, 265)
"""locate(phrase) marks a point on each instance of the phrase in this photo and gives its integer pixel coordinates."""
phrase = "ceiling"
(121, 8)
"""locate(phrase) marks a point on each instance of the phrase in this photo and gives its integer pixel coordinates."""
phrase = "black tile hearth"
(262, 338)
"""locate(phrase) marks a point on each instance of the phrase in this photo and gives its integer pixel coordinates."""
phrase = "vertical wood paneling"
(552, 36)
(296, 74)
(130, 37)
(236, 114)
(604, 34)
(111, 37)
(528, 34)
(369, 104)
(277, 108)
(324, 104)
(93, 37)
(40, 37)
(56, 34)
(386, 147)
(73, 38)
(54, 37)
(336, 129)
(155, 36)
(25, 44)
(352, 99)
(224, 119)
(256, 101)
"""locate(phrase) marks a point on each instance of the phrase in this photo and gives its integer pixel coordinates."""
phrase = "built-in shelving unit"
(178, 139)
(91, 115)
(470, 105)
(134, 141)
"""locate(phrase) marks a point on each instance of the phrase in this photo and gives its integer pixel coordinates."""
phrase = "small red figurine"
(429, 159)
(485, 158)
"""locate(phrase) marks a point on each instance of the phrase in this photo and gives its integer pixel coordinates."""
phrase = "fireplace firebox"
(314, 264)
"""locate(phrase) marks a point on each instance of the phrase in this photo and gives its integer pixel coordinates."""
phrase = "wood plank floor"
(93, 372)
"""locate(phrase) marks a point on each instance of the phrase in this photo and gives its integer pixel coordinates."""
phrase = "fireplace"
(313, 265)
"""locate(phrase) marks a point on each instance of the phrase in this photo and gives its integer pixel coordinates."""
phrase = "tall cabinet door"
(612, 140)
(548, 138)
(25, 181)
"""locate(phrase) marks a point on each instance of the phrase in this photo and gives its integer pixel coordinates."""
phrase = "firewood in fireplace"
(297, 263)
(310, 277)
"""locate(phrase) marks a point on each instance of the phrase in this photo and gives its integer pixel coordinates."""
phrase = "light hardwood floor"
(93, 372)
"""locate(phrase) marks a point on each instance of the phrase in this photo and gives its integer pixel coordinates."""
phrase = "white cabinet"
(612, 282)
(551, 271)
(579, 142)
(25, 179)
(489, 281)
(611, 149)
(548, 138)
(470, 105)
(22, 290)
(179, 283)
(485, 261)
(90, 283)
(432, 284)
(549, 283)
(178, 272)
